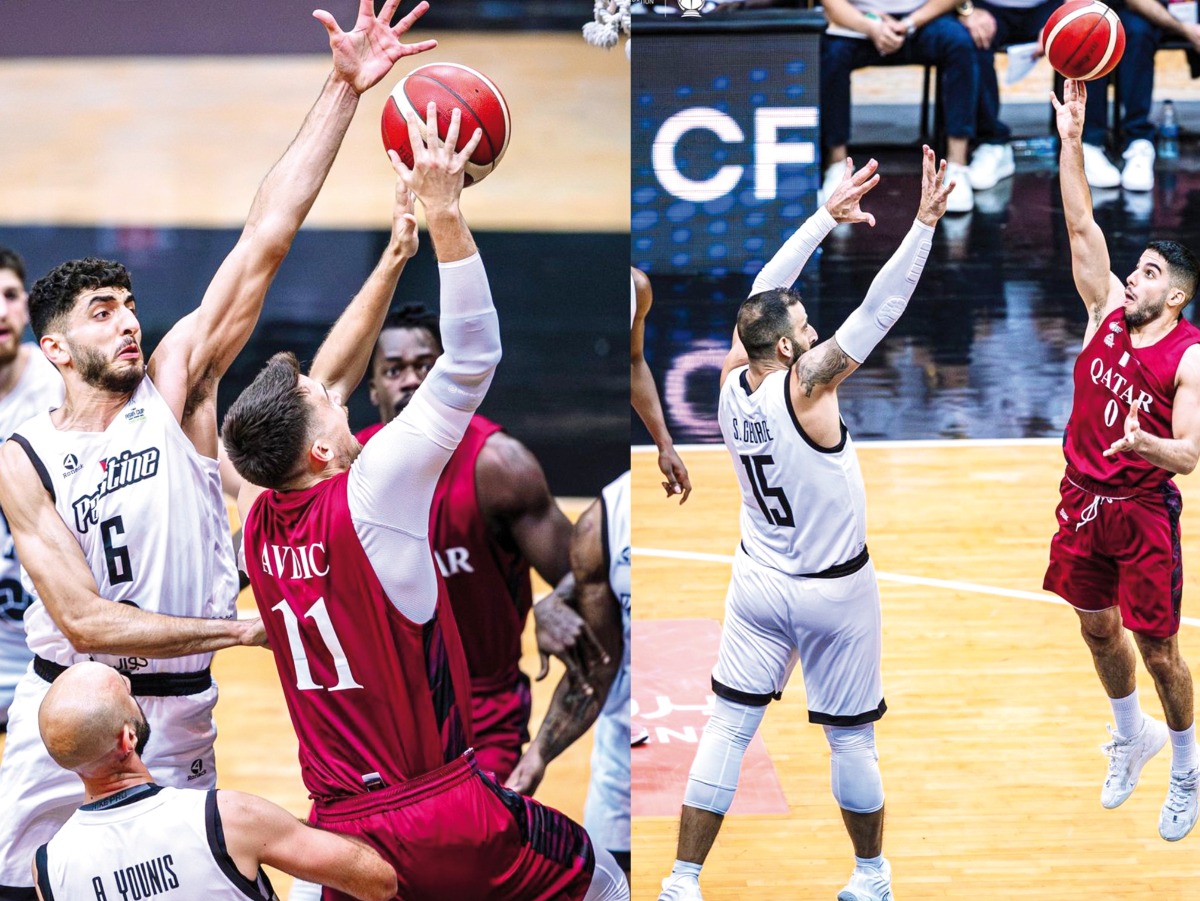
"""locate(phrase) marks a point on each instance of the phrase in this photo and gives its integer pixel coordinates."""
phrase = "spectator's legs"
(839, 57)
(946, 44)
(1136, 85)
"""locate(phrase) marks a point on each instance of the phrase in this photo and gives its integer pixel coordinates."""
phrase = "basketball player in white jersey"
(136, 839)
(597, 689)
(803, 587)
(28, 385)
(644, 394)
(114, 499)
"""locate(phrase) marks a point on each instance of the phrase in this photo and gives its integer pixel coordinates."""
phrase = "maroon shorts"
(501, 720)
(1119, 551)
(455, 833)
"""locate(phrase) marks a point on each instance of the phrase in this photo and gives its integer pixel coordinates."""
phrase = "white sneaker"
(991, 164)
(1126, 757)
(1183, 803)
(1138, 174)
(833, 178)
(1100, 172)
(962, 198)
(868, 885)
(680, 888)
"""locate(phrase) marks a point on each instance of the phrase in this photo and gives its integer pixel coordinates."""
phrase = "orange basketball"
(1083, 40)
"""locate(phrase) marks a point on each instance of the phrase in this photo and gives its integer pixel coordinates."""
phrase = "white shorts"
(832, 626)
(14, 660)
(606, 811)
(39, 795)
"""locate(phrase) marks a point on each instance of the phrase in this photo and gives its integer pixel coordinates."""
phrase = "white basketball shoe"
(1126, 757)
(867, 884)
(680, 888)
(1183, 803)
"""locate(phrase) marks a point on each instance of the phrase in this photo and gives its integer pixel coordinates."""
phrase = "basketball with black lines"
(450, 86)
(1083, 39)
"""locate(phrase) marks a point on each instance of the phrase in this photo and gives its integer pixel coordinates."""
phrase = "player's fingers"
(407, 22)
(867, 185)
(1133, 410)
(410, 49)
(867, 173)
(870, 220)
(453, 128)
(386, 12)
(432, 138)
(469, 147)
(328, 21)
(415, 140)
(589, 638)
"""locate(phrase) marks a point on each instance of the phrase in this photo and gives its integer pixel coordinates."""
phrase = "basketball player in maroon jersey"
(1135, 422)
(365, 641)
(493, 516)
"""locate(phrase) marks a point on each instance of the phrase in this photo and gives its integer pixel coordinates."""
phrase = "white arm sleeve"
(784, 268)
(888, 295)
(391, 484)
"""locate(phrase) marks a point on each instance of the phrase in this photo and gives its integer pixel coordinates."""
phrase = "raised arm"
(644, 394)
(93, 624)
(200, 348)
(258, 832)
(345, 354)
(391, 483)
(515, 498)
(822, 369)
(577, 703)
(1100, 289)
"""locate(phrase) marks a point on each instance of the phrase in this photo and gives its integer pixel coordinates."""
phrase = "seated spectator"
(1147, 25)
(897, 33)
(994, 24)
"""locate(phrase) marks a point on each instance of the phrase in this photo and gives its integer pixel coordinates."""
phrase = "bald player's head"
(89, 719)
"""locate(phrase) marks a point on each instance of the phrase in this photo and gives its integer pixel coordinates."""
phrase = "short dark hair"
(763, 319)
(1182, 267)
(266, 430)
(10, 259)
(415, 316)
(53, 295)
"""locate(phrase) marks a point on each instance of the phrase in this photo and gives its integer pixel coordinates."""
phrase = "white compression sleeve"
(391, 484)
(888, 295)
(784, 268)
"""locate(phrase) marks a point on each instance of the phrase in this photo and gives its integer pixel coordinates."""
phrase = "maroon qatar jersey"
(375, 698)
(488, 580)
(1110, 374)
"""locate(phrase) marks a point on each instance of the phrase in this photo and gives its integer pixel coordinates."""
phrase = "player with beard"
(28, 385)
(114, 498)
(1116, 557)
(134, 838)
(492, 518)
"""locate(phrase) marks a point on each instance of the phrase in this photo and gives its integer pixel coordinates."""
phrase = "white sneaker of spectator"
(1138, 174)
(991, 164)
(1098, 169)
(962, 198)
(833, 178)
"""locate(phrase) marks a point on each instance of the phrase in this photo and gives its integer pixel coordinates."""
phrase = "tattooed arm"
(578, 701)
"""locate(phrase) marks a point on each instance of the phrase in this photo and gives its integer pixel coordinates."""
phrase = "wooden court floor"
(990, 747)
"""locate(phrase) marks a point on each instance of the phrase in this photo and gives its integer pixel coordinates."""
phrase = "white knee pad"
(714, 774)
(854, 768)
(608, 881)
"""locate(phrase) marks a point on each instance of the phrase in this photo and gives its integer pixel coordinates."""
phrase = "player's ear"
(54, 346)
(374, 398)
(321, 452)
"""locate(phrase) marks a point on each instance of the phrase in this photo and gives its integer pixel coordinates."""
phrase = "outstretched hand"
(363, 56)
(1128, 442)
(843, 203)
(1068, 115)
(678, 481)
(404, 222)
(934, 188)
(437, 173)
